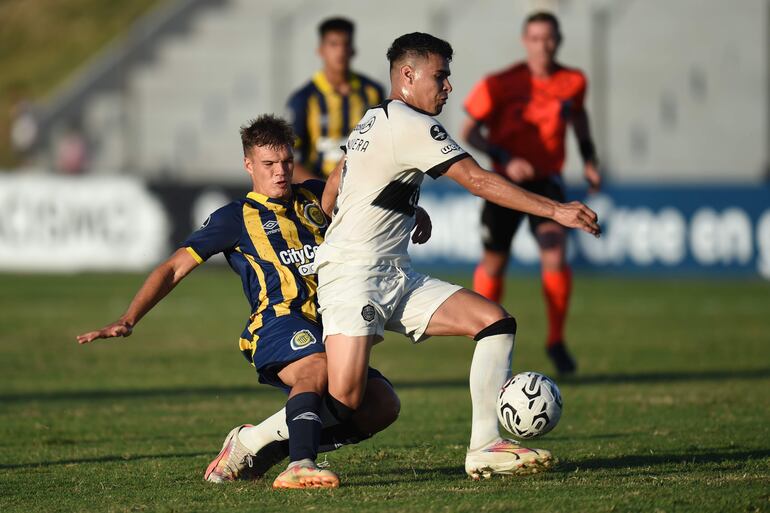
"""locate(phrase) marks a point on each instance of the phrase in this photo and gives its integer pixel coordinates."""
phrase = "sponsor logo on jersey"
(315, 215)
(302, 339)
(303, 258)
(271, 227)
(368, 313)
(362, 128)
(438, 132)
(449, 148)
(206, 222)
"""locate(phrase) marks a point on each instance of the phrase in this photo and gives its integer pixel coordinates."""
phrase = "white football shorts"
(359, 300)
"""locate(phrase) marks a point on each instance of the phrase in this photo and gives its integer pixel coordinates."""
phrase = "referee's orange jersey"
(528, 116)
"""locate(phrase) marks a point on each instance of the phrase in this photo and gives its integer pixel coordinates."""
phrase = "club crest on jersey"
(438, 132)
(302, 339)
(315, 215)
(368, 313)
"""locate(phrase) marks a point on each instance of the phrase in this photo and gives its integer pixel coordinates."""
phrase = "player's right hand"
(115, 329)
(519, 170)
(577, 215)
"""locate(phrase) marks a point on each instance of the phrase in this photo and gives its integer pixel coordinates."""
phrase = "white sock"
(272, 429)
(490, 367)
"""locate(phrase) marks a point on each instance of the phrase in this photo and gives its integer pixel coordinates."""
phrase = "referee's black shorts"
(499, 224)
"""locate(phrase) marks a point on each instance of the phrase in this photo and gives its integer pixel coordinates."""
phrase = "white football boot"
(231, 461)
(506, 457)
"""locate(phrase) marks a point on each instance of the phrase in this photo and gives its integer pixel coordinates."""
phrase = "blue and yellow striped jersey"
(323, 119)
(271, 244)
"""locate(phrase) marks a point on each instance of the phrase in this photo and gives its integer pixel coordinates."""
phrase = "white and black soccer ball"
(529, 405)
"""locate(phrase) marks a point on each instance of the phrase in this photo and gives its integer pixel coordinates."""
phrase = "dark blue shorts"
(285, 339)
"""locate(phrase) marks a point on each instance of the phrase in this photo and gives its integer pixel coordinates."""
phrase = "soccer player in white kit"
(366, 282)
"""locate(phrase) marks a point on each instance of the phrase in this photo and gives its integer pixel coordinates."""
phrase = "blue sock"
(304, 422)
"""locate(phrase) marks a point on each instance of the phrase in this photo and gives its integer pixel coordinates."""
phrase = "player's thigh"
(464, 313)
(308, 374)
(347, 360)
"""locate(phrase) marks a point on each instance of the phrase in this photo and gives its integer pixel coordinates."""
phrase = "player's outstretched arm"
(492, 187)
(332, 188)
(158, 284)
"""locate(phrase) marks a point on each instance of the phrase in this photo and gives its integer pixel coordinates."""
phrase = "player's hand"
(422, 226)
(593, 177)
(519, 170)
(577, 215)
(116, 329)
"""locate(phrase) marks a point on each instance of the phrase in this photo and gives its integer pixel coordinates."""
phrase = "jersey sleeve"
(219, 233)
(420, 142)
(580, 94)
(297, 113)
(478, 103)
(315, 186)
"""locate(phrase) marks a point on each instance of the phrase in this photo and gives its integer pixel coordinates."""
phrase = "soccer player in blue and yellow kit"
(269, 239)
(327, 108)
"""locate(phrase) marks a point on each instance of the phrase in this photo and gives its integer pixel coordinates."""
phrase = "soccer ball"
(529, 405)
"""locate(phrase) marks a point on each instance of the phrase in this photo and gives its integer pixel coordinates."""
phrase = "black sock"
(304, 425)
(334, 437)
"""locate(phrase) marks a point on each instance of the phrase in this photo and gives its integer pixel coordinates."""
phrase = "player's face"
(429, 87)
(336, 51)
(540, 42)
(271, 170)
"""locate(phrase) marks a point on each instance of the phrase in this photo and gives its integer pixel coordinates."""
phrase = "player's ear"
(248, 165)
(407, 73)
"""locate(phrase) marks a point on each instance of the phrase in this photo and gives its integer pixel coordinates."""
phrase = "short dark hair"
(418, 43)
(336, 24)
(267, 130)
(545, 17)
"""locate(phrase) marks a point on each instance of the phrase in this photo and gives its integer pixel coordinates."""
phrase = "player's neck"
(539, 70)
(338, 79)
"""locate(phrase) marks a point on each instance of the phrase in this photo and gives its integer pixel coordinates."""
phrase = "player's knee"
(387, 401)
(504, 326)
(341, 411)
(488, 315)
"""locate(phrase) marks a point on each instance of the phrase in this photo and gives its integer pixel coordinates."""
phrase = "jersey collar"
(268, 201)
(322, 83)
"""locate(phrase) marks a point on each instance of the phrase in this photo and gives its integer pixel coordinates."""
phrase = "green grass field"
(670, 411)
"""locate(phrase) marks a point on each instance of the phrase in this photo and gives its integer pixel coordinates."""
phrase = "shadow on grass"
(649, 460)
(182, 392)
(105, 459)
(666, 377)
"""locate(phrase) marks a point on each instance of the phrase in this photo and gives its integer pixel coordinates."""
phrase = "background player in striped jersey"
(326, 109)
(519, 118)
(269, 239)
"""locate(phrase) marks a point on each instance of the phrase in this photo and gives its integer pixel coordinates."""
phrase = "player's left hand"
(576, 215)
(422, 226)
(593, 177)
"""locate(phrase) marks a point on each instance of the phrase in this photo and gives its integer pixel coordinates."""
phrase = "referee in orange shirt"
(519, 117)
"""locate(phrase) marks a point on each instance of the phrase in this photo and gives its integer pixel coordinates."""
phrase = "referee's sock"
(491, 287)
(557, 286)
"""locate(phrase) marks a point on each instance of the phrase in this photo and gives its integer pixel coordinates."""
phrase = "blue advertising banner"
(713, 229)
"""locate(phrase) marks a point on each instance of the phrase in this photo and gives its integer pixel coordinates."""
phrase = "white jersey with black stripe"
(388, 154)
